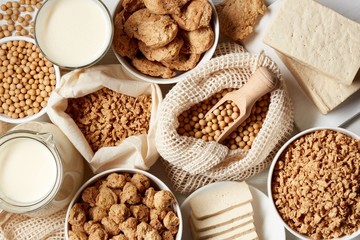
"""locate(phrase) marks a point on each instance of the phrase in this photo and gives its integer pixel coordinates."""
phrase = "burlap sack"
(192, 163)
(135, 151)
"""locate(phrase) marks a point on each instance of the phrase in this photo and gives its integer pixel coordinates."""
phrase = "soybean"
(24, 91)
(209, 128)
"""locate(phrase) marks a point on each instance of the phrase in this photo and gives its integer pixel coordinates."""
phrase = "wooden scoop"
(259, 84)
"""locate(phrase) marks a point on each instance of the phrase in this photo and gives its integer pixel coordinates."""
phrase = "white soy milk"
(27, 170)
(70, 168)
(73, 33)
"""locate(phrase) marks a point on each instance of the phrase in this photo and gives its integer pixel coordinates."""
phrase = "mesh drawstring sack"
(21, 227)
(192, 163)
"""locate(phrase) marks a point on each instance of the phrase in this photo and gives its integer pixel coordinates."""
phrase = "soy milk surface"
(73, 33)
(27, 170)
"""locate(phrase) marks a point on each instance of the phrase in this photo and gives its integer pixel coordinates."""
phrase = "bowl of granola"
(314, 183)
(162, 42)
(124, 203)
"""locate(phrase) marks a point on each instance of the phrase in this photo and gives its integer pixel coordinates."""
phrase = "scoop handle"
(260, 83)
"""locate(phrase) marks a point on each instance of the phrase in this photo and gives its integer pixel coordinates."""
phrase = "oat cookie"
(237, 17)
(165, 7)
(154, 69)
(122, 43)
(168, 52)
(153, 29)
(195, 15)
(198, 41)
(132, 5)
(183, 62)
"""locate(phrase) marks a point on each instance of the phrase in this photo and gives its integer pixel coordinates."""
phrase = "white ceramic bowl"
(180, 75)
(155, 183)
(4, 117)
(269, 180)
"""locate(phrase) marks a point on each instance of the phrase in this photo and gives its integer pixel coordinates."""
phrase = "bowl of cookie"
(124, 203)
(163, 41)
(314, 184)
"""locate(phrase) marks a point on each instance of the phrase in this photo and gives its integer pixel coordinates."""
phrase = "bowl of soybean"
(28, 80)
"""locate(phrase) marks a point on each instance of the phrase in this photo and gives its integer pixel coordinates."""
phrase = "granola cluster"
(316, 185)
(123, 207)
(106, 117)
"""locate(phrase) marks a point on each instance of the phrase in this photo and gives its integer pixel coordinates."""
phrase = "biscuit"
(123, 45)
(152, 29)
(132, 5)
(183, 62)
(237, 17)
(164, 7)
(195, 15)
(168, 52)
(154, 69)
(198, 41)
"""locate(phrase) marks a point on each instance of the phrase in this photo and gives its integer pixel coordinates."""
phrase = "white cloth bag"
(135, 151)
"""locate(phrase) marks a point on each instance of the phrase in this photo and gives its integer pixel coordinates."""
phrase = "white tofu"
(317, 37)
(244, 232)
(235, 214)
(218, 200)
(221, 229)
(325, 92)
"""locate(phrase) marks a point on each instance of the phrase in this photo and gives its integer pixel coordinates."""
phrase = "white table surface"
(258, 181)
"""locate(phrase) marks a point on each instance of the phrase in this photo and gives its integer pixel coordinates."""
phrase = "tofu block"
(248, 236)
(236, 214)
(221, 229)
(243, 232)
(317, 37)
(218, 200)
(324, 92)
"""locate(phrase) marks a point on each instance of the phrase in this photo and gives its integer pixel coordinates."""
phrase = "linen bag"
(192, 163)
(135, 151)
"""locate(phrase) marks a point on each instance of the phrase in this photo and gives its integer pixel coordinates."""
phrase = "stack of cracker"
(223, 213)
(320, 47)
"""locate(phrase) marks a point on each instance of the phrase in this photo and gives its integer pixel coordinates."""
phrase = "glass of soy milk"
(73, 33)
(40, 171)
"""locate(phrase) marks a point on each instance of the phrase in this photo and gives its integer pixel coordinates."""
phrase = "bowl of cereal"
(314, 184)
(162, 43)
(124, 203)
(28, 79)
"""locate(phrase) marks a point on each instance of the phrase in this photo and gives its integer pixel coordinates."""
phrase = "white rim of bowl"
(271, 170)
(133, 72)
(7, 119)
(159, 183)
